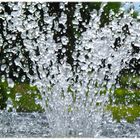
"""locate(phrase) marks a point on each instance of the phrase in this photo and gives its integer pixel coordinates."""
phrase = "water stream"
(75, 88)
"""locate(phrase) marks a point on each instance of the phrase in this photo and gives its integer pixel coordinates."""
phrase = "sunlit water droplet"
(10, 82)
(64, 40)
(18, 96)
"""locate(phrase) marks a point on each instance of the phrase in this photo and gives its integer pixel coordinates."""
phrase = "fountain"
(59, 84)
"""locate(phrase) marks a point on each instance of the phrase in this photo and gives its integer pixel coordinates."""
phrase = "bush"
(22, 95)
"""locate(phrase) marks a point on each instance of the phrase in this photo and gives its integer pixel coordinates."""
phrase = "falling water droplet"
(10, 82)
(64, 40)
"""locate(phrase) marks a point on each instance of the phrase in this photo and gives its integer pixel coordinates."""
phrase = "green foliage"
(114, 6)
(27, 93)
(135, 14)
(125, 96)
(93, 5)
(128, 113)
(3, 94)
(129, 81)
(27, 101)
(124, 103)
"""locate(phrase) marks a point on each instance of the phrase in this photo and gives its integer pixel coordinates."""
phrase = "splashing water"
(72, 95)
